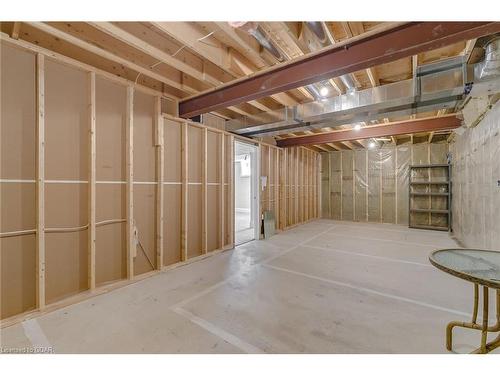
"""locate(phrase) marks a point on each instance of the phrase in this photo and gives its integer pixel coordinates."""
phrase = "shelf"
(432, 211)
(430, 166)
(429, 227)
(431, 194)
(429, 183)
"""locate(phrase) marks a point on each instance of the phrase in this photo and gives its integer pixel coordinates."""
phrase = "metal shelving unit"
(430, 197)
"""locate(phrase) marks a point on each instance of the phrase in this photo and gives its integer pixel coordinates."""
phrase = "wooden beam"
(184, 192)
(147, 71)
(40, 182)
(160, 170)
(374, 131)
(92, 181)
(131, 245)
(383, 45)
(16, 28)
(204, 192)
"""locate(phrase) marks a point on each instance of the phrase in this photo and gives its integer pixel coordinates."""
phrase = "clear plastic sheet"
(372, 185)
(476, 190)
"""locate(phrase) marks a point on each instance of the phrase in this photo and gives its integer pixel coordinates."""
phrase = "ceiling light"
(372, 144)
(357, 127)
(323, 91)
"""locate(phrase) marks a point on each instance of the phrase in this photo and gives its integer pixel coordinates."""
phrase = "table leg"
(485, 346)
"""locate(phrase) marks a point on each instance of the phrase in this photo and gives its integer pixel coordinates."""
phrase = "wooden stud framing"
(222, 190)
(204, 192)
(160, 156)
(40, 182)
(92, 181)
(184, 194)
(231, 190)
(296, 180)
(276, 186)
(130, 182)
(268, 187)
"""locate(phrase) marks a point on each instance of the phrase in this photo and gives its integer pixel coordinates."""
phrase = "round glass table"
(482, 268)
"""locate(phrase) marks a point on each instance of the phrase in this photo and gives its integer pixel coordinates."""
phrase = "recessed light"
(323, 91)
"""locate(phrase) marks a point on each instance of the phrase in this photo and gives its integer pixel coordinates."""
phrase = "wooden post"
(40, 182)
(277, 187)
(160, 170)
(130, 182)
(269, 151)
(296, 178)
(204, 194)
(92, 181)
(222, 191)
(184, 195)
(231, 190)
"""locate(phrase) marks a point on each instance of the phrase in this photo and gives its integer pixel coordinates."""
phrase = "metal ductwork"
(490, 67)
(317, 28)
(256, 31)
(440, 85)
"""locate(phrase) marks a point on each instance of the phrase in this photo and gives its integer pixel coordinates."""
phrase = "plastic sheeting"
(476, 183)
(372, 185)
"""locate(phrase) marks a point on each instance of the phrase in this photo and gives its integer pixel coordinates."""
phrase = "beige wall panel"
(17, 267)
(111, 259)
(229, 216)
(213, 223)
(194, 221)
(213, 121)
(145, 217)
(65, 205)
(66, 123)
(227, 147)
(172, 139)
(213, 157)
(66, 264)
(17, 206)
(110, 131)
(195, 149)
(172, 229)
(17, 115)
(144, 143)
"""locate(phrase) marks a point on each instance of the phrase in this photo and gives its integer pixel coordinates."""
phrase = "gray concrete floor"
(323, 287)
(243, 228)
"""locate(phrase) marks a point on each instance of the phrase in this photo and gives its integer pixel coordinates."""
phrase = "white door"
(245, 192)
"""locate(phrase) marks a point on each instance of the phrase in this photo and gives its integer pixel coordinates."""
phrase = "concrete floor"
(323, 287)
(243, 229)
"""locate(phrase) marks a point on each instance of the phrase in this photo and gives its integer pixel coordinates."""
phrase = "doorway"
(245, 192)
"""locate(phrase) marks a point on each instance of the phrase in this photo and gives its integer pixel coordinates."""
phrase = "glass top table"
(480, 267)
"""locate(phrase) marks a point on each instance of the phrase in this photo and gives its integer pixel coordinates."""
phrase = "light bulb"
(357, 127)
(323, 91)
(372, 144)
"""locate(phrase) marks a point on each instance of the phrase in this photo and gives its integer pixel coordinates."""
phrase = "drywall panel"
(65, 205)
(144, 143)
(172, 228)
(195, 149)
(213, 121)
(194, 221)
(17, 115)
(66, 122)
(172, 147)
(360, 184)
(213, 214)
(145, 219)
(111, 257)
(18, 280)
(110, 131)
(17, 206)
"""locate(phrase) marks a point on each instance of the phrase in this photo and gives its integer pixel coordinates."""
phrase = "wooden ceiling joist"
(380, 46)
(447, 122)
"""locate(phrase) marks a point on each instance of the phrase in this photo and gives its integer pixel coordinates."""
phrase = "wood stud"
(131, 250)
(92, 180)
(160, 156)
(184, 194)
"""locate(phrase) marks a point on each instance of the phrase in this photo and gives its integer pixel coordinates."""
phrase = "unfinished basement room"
(250, 187)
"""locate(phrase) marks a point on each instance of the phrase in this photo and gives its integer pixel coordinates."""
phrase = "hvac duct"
(256, 31)
(490, 67)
